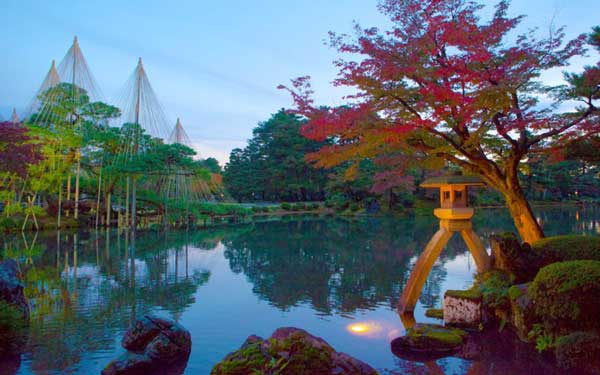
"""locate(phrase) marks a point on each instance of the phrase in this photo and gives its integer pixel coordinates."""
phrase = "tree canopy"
(444, 85)
(272, 166)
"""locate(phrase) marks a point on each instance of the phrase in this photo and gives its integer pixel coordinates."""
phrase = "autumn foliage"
(444, 87)
(17, 149)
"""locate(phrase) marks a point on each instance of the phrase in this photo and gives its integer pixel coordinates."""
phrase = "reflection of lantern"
(455, 216)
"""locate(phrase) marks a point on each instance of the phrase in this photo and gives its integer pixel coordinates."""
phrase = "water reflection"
(339, 278)
(86, 288)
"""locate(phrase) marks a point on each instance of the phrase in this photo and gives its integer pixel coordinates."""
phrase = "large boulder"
(154, 344)
(426, 342)
(290, 351)
(11, 288)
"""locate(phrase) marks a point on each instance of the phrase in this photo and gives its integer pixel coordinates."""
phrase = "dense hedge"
(566, 297)
(569, 247)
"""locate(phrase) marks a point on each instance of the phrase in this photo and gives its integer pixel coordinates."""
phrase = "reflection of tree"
(431, 293)
(83, 289)
(335, 265)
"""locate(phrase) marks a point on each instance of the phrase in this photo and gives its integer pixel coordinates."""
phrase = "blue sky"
(214, 64)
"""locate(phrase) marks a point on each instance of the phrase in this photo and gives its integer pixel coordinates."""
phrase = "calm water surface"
(227, 283)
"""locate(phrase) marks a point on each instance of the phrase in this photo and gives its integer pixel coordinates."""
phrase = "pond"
(223, 284)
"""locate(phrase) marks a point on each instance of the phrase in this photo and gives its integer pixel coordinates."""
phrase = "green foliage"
(494, 286)
(299, 207)
(286, 206)
(7, 224)
(563, 296)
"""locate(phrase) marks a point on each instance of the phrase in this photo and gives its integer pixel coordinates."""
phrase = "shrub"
(286, 206)
(354, 207)
(569, 247)
(7, 224)
(315, 206)
(494, 286)
(565, 296)
(299, 207)
(329, 204)
(256, 209)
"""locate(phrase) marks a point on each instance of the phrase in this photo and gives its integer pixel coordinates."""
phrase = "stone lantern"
(455, 216)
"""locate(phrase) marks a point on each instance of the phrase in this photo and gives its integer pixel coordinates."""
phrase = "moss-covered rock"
(473, 294)
(463, 308)
(424, 342)
(564, 248)
(578, 352)
(566, 297)
(522, 317)
(289, 351)
(514, 258)
(154, 344)
(435, 313)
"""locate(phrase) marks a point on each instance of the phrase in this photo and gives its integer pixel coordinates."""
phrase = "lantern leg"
(421, 270)
(481, 257)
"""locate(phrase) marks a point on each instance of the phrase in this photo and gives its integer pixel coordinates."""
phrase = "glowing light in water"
(364, 328)
(358, 328)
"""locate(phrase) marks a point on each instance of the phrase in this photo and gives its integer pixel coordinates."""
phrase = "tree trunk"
(523, 216)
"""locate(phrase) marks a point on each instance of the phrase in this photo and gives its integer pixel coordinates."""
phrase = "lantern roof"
(437, 182)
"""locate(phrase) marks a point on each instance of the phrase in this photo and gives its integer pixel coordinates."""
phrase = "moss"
(473, 294)
(565, 296)
(426, 335)
(247, 360)
(565, 248)
(435, 313)
(294, 355)
(304, 358)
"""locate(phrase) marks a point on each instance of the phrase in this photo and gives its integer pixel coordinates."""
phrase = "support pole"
(59, 213)
(98, 197)
(421, 270)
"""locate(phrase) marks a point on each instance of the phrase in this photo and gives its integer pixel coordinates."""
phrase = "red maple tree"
(444, 85)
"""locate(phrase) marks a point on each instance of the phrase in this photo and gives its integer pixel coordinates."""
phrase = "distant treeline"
(275, 166)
